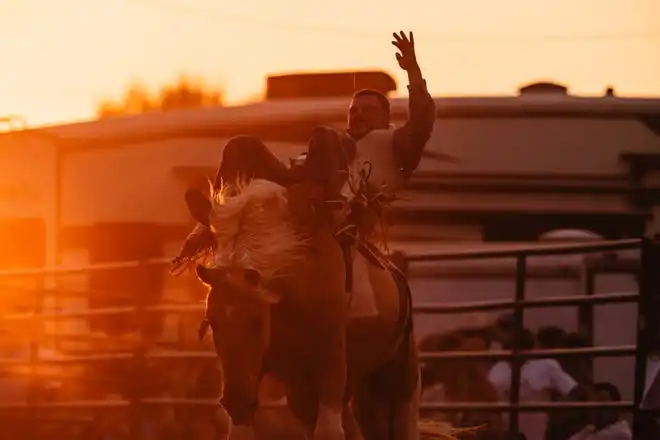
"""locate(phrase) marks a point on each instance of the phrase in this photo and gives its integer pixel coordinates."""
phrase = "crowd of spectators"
(543, 379)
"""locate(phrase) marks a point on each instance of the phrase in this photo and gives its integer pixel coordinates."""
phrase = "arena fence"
(648, 298)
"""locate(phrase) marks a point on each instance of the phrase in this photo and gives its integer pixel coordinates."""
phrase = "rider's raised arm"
(411, 138)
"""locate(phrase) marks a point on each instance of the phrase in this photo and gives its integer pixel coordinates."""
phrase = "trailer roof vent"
(326, 84)
(543, 88)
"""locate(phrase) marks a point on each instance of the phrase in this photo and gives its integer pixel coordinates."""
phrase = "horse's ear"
(199, 206)
(203, 328)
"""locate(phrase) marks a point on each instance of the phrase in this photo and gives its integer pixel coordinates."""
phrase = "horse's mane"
(254, 228)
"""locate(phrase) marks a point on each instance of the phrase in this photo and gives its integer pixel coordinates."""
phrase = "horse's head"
(238, 312)
(258, 246)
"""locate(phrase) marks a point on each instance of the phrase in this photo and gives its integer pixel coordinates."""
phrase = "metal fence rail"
(423, 308)
(648, 313)
(519, 251)
(521, 254)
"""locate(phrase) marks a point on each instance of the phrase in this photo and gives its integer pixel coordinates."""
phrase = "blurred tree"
(183, 93)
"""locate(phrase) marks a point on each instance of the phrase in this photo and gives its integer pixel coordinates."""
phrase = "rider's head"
(369, 110)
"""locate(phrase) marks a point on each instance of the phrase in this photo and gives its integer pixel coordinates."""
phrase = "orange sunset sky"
(61, 56)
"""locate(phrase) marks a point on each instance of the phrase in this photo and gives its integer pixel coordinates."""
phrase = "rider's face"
(366, 113)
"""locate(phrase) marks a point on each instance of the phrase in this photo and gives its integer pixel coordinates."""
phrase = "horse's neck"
(304, 307)
(291, 344)
(299, 307)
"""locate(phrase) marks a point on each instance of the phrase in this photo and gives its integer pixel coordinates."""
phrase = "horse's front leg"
(351, 426)
(332, 386)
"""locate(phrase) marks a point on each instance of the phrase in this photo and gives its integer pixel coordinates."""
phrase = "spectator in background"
(604, 424)
(540, 380)
(500, 373)
(461, 380)
(551, 337)
(433, 372)
(562, 424)
(503, 330)
(578, 367)
(476, 338)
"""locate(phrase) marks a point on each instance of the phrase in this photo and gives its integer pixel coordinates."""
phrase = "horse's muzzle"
(240, 410)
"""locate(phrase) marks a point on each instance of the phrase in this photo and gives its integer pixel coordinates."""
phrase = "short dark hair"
(576, 340)
(380, 96)
(609, 388)
(440, 342)
(505, 322)
(551, 337)
(526, 341)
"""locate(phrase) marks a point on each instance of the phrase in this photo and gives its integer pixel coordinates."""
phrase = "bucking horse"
(278, 304)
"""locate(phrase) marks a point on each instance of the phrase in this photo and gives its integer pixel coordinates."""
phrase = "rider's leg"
(246, 157)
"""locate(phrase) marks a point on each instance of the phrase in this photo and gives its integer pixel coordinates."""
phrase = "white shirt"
(652, 392)
(616, 431)
(537, 377)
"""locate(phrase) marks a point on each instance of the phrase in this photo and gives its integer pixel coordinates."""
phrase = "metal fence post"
(35, 383)
(586, 324)
(139, 359)
(516, 361)
(647, 327)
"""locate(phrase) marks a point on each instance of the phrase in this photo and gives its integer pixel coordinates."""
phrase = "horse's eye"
(252, 277)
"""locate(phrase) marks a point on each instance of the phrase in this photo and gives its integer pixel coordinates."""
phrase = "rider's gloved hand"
(198, 241)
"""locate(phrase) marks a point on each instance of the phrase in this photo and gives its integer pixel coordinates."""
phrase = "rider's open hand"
(406, 55)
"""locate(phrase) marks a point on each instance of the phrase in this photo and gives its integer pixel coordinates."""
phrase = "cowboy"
(394, 153)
